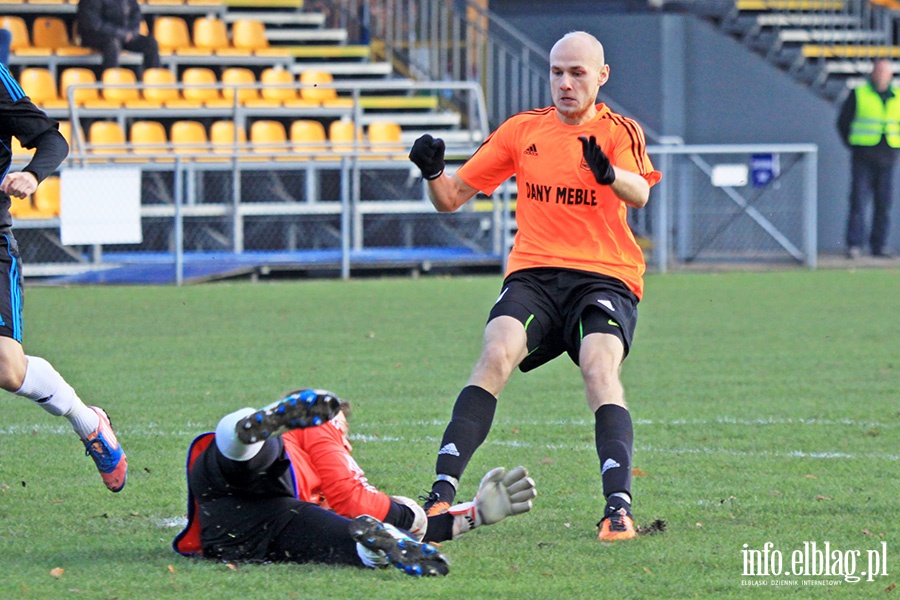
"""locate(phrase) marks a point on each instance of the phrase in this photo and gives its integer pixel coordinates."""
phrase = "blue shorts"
(10, 288)
(558, 307)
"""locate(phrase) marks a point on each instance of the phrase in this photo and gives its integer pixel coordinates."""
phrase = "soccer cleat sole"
(413, 558)
(305, 408)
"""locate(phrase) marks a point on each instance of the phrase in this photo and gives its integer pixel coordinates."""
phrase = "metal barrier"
(731, 204)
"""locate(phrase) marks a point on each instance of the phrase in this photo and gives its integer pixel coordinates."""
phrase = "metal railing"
(452, 40)
(769, 218)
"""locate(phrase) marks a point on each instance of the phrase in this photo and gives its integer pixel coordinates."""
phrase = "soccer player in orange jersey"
(575, 272)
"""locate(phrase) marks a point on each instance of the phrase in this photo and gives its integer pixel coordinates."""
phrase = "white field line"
(192, 431)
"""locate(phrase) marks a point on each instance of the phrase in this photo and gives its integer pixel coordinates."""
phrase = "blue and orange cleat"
(303, 408)
(383, 545)
(104, 448)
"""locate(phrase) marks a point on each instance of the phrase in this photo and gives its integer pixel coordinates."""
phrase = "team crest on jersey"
(531, 150)
(584, 166)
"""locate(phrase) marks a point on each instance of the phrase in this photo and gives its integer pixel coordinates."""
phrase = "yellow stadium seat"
(268, 137)
(160, 85)
(119, 77)
(171, 33)
(87, 97)
(148, 137)
(53, 34)
(278, 85)
(21, 41)
(197, 81)
(222, 137)
(249, 35)
(308, 137)
(343, 135)
(189, 137)
(384, 136)
(21, 208)
(46, 198)
(106, 137)
(321, 82)
(211, 34)
(321, 92)
(39, 85)
(239, 76)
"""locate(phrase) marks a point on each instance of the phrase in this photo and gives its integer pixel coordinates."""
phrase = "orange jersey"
(326, 473)
(565, 218)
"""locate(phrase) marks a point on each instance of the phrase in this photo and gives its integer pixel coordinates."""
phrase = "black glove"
(598, 162)
(428, 154)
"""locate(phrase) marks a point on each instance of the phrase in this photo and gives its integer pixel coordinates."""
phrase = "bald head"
(577, 70)
(583, 44)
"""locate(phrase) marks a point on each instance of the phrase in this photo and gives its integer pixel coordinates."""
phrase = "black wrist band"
(435, 176)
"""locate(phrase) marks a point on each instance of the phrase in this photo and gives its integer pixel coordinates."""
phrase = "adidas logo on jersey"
(609, 464)
(531, 150)
(451, 450)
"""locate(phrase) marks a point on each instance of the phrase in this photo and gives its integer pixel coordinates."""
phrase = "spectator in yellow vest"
(869, 124)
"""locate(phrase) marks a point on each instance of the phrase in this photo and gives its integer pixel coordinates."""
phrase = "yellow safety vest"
(874, 117)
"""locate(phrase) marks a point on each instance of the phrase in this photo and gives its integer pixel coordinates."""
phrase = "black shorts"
(558, 307)
(10, 287)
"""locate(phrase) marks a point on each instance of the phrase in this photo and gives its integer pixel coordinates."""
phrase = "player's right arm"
(446, 192)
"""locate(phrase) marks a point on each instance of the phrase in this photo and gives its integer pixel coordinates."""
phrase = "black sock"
(399, 515)
(473, 414)
(445, 490)
(440, 528)
(614, 436)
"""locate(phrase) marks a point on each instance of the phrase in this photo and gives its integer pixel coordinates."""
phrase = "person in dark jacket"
(869, 124)
(111, 26)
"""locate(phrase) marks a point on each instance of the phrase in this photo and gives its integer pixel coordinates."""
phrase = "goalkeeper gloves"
(501, 494)
(428, 154)
(598, 161)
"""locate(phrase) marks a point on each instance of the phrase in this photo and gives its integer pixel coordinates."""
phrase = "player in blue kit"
(33, 377)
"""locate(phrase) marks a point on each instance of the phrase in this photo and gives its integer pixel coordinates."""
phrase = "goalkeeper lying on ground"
(260, 493)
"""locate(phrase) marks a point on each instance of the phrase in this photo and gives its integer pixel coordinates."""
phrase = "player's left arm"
(343, 481)
(618, 169)
(631, 188)
(51, 150)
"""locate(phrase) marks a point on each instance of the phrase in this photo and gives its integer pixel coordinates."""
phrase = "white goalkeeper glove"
(420, 520)
(500, 495)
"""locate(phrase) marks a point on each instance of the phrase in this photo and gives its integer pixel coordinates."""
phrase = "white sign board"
(730, 175)
(100, 206)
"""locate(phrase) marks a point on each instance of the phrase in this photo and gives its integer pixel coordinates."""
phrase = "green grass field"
(765, 404)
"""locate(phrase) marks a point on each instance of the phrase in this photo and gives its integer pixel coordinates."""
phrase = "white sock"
(52, 393)
(624, 496)
(228, 443)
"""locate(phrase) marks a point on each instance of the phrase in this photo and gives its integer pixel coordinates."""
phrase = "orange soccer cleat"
(616, 524)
